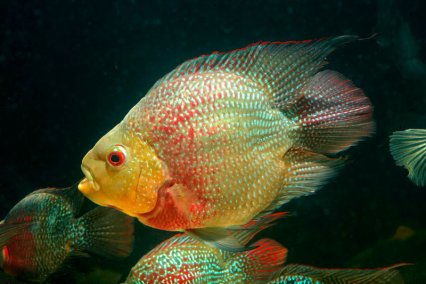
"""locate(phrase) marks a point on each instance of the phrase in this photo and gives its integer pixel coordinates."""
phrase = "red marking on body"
(21, 254)
(5, 253)
(191, 134)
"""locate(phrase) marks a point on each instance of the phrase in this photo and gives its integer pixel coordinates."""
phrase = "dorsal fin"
(281, 68)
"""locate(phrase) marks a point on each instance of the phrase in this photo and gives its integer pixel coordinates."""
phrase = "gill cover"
(124, 172)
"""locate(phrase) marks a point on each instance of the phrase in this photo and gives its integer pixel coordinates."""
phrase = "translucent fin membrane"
(332, 113)
(408, 148)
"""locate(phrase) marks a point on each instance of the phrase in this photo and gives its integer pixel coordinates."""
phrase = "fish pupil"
(116, 158)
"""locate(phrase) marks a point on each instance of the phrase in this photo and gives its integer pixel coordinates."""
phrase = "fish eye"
(116, 156)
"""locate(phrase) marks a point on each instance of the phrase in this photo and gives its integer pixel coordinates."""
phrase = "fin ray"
(408, 148)
(108, 232)
(306, 173)
(235, 238)
(280, 67)
(332, 114)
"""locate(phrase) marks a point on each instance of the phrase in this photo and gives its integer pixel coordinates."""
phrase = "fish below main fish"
(183, 259)
(229, 137)
(408, 148)
(301, 274)
(42, 231)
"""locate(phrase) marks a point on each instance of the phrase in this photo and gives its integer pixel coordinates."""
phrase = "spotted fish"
(229, 137)
(43, 230)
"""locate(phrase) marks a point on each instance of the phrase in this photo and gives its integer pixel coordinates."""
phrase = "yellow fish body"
(229, 137)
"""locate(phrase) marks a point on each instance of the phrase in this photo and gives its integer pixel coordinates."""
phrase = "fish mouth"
(89, 182)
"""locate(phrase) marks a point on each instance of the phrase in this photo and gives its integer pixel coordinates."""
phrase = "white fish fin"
(220, 238)
(342, 276)
(332, 114)
(408, 148)
(108, 232)
(246, 232)
(281, 67)
(306, 172)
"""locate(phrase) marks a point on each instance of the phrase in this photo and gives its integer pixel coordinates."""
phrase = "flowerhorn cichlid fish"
(183, 259)
(42, 231)
(228, 137)
(301, 274)
(408, 148)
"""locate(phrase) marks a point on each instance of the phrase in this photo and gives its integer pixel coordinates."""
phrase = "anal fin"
(218, 237)
(235, 238)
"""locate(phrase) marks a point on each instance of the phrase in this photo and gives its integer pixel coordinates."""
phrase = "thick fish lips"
(91, 189)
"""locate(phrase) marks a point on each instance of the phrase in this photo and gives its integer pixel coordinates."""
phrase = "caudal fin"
(107, 232)
(408, 148)
(258, 264)
(308, 274)
(332, 114)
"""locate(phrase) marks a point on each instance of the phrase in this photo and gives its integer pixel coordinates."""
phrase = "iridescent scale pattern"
(44, 246)
(223, 123)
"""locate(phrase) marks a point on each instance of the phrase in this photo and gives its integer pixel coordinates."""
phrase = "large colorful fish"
(182, 259)
(43, 230)
(229, 137)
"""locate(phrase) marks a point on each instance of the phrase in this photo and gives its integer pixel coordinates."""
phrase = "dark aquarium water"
(70, 70)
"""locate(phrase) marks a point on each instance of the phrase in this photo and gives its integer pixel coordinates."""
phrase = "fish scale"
(233, 167)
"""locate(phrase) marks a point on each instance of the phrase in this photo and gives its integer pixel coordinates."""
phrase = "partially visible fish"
(228, 137)
(182, 259)
(42, 231)
(301, 274)
(408, 148)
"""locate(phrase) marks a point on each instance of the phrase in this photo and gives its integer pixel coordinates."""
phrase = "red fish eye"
(116, 158)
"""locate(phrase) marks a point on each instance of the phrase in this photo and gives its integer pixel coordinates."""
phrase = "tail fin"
(332, 114)
(257, 264)
(408, 148)
(107, 232)
(308, 274)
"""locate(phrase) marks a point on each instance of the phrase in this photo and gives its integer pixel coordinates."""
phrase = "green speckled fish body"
(43, 230)
(182, 259)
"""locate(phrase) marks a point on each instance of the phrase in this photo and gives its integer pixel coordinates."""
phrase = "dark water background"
(71, 70)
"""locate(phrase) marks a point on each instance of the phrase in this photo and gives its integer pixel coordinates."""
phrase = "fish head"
(123, 171)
